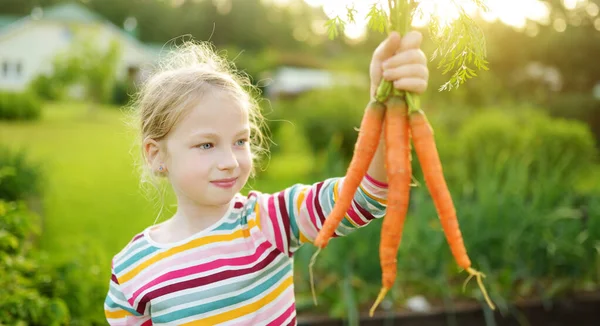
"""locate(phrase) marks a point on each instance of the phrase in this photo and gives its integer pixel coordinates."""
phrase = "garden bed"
(581, 310)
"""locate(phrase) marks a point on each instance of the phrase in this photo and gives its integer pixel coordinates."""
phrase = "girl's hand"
(401, 61)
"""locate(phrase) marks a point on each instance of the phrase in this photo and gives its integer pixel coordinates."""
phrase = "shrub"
(19, 106)
(21, 301)
(19, 178)
(323, 114)
(527, 222)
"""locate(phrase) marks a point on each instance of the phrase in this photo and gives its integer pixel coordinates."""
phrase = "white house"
(29, 44)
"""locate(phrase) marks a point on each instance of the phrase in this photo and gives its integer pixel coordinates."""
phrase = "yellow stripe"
(303, 238)
(300, 199)
(379, 200)
(241, 311)
(192, 244)
(257, 211)
(335, 190)
(117, 314)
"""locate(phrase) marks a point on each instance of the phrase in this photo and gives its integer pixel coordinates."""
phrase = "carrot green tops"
(239, 270)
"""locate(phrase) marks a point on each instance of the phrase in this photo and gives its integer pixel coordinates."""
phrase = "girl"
(225, 258)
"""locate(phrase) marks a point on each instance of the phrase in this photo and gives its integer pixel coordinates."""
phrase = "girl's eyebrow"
(209, 134)
(244, 131)
(204, 135)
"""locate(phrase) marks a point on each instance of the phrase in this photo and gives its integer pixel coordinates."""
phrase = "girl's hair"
(187, 73)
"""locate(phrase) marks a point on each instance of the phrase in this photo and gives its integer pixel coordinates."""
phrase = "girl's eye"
(205, 146)
(241, 142)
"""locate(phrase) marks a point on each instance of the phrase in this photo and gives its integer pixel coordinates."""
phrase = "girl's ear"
(153, 155)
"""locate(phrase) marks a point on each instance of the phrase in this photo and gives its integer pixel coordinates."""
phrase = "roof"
(71, 12)
(65, 12)
(6, 20)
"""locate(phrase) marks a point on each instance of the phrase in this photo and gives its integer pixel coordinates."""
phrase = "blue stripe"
(292, 215)
(112, 304)
(257, 291)
(135, 258)
(201, 295)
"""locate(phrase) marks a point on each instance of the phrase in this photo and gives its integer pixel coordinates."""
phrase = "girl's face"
(208, 154)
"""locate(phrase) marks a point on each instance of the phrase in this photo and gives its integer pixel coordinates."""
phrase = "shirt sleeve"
(295, 215)
(118, 311)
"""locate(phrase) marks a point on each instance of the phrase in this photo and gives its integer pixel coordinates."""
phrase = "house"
(29, 44)
(290, 81)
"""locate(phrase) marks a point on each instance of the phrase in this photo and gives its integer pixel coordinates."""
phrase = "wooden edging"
(581, 310)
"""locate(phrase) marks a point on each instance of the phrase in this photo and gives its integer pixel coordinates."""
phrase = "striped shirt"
(239, 270)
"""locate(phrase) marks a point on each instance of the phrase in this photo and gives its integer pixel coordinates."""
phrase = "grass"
(91, 194)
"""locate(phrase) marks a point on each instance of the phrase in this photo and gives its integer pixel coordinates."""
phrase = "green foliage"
(21, 301)
(321, 114)
(460, 44)
(48, 87)
(97, 75)
(19, 106)
(39, 289)
(527, 220)
(19, 178)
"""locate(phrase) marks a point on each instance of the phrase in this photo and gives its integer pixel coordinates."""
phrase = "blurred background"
(519, 146)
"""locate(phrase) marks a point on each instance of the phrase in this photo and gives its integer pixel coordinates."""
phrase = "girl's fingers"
(406, 57)
(412, 40)
(414, 85)
(407, 71)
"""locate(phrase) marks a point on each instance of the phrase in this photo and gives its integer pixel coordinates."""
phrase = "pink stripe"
(275, 223)
(284, 316)
(151, 281)
(308, 200)
(285, 299)
(239, 261)
(375, 182)
(354, 215)
(150, 272)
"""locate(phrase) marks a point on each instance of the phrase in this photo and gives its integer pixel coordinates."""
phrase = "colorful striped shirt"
(239, 270)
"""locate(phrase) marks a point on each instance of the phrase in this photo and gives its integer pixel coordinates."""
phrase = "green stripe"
(257, 291)
(201, 295)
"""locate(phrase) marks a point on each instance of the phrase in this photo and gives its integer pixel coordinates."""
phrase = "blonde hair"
(187, 73)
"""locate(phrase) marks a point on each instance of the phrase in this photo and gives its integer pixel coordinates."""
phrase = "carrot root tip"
(310, 272)
(380, 297)
(479, 276)
(415, 182)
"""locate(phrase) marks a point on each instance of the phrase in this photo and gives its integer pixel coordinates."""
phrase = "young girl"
(225, 258)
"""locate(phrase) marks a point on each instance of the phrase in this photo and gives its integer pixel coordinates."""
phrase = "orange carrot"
(365, 147)
(427, 153)
(399, 172)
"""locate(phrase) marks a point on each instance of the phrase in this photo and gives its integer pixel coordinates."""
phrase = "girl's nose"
(228, 161)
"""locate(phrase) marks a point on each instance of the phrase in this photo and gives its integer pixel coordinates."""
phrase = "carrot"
(427, 153)
(399, 172)
(365, 147)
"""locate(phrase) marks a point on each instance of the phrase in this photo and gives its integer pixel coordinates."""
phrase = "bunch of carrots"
(395, 113)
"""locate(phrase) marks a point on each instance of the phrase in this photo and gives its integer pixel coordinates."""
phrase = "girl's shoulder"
(242, 208)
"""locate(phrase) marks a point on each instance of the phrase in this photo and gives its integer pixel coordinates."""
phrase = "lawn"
(91, 195)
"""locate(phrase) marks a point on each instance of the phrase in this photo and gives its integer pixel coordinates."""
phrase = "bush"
(19, 178)
(21, 301)
(324, 114)
(48, 87)
(36, 289)
(19, 106)
(527, 222)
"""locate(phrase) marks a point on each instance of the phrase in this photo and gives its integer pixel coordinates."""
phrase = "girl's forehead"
(214, 112)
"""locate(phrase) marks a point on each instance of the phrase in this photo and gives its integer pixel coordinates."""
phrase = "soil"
(582, 310)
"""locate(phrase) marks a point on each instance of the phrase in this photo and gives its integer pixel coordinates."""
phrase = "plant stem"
(400, 20)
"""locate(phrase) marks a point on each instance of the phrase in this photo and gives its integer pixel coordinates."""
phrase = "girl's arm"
(118, 311)
(295, 215)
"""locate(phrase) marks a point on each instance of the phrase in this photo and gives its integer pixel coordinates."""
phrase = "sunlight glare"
(514, 13)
